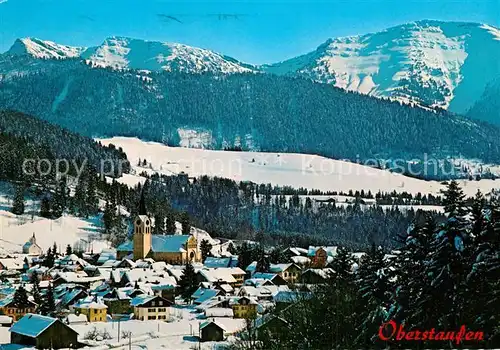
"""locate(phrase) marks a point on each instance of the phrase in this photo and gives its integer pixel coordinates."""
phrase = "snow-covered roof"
(32, 325)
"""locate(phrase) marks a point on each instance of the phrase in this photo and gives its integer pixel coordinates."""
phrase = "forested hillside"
(27, 138)
(267, 112)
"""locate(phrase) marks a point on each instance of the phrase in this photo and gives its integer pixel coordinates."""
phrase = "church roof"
(160, 244)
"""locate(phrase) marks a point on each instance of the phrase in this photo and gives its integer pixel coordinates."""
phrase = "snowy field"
(15, 230)
(284, 169)
(179, 334)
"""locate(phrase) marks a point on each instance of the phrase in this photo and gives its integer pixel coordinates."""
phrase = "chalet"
(43, 332)
(273, 277)
(321, 256)
(92, 307)
(316, 276)
(31, 247)
(147, 307)
(269, 325)
(8, 308)
(289, 272)
(244, 307)
(212, 331)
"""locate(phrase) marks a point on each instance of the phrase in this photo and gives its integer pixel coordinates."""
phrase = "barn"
(211, 331)
(43, 332)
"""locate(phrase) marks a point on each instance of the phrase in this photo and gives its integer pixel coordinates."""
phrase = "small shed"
(212, 331)
(43, 332)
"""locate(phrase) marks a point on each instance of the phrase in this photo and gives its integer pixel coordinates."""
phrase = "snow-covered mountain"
(430, 63)
(44, 49)
(122, 53)
(449, 65)
(126, 53)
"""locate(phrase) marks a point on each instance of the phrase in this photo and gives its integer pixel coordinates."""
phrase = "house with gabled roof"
(150, 307)
(43, 332)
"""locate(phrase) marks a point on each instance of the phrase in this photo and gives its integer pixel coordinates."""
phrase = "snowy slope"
(296, 170)
(44, 49)
(430, 63)
(127, 53)
(15, 230)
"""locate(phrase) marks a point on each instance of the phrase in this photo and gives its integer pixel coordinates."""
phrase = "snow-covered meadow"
(283, 169)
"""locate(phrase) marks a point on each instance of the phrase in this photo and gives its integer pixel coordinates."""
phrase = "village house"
(212, 331)
(8, 308)
(244, 307)
(92, 307)
(150, 307)
(321, 256)
(31, 247)
(289, 272)
(43, 332)
(316, 276)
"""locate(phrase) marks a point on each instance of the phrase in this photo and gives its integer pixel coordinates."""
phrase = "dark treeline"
(243, 210)
(30, 141)
(277, 113)
(446, 276)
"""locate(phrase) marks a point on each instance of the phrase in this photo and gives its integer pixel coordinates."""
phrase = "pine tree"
(69, 250)
(245, 255)
(188, 282)
(446, 267)
(186, 226)
(342, 264)
(80, 198)
(262, 261)
(232, 249)
(159, 228)
(48, 307)
(170, 224)
(35, 292)
(374, 287)
(205, 248)
(109, 216)
(21, 298)
(19, 202)
(49, 259)
(60, 200)
(45, 207)
(92, 202)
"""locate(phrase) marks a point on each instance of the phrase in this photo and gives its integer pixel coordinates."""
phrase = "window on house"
(151, 317)
(161, 303)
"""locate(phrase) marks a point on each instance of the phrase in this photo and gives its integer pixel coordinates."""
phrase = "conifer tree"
(374, 288)
(21, 298)
(342, 265)
(19, 202)
(46, 207)
(69, 250)
(205, 248)
(48, 305)
(170, 224)
(159, 228)
(262, 260)
(49, 259)
(60, 199)
(188, 282)
(186, 226)
(35, 292)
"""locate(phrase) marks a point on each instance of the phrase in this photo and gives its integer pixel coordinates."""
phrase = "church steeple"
(142, 205)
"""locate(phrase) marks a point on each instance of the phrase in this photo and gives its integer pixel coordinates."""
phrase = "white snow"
(78, 232)
(420, 63)
(45, 49)
(284, 169)
(128, 53)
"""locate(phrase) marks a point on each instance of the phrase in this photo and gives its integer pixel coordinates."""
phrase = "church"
(173, 249)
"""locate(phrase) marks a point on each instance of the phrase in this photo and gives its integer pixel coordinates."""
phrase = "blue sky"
(262, 32)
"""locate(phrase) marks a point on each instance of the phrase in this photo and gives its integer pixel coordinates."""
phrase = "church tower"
(142, 231)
